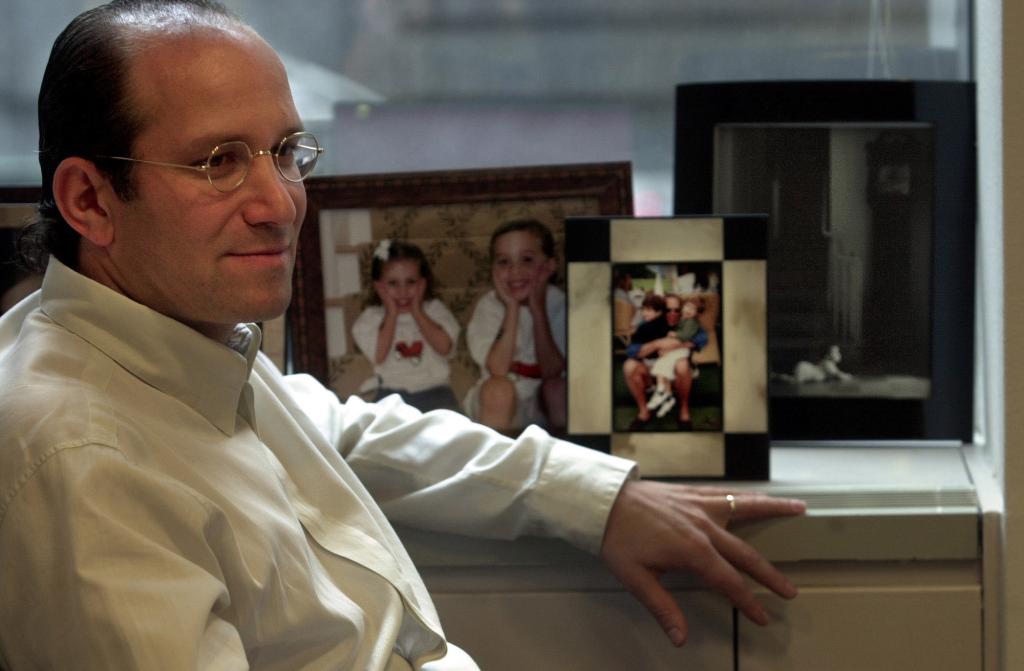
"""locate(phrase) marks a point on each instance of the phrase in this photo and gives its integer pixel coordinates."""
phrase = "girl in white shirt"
(407, 333)
(517, 334)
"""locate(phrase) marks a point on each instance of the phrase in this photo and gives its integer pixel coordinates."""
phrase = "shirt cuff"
(576, 490)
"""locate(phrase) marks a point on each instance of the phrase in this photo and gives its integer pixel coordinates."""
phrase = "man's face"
(206, 258)
(673, 309)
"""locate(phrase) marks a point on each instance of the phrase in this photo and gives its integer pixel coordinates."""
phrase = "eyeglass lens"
(295, 158)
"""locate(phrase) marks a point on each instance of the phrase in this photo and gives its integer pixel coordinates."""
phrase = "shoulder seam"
(34, 467)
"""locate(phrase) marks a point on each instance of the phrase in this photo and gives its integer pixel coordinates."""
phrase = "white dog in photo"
(827, 368)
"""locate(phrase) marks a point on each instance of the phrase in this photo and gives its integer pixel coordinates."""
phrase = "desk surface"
(864, 503)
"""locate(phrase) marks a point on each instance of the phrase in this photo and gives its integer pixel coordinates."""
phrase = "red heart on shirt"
(410, 351)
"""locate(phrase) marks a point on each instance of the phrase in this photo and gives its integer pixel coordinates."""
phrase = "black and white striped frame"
(739, 242)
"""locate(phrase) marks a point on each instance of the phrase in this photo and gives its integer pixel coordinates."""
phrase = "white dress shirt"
(169, 503)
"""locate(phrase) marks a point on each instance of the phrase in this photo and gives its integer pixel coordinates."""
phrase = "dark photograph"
(850, 243)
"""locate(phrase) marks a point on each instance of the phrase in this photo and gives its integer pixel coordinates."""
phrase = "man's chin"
(265, 310)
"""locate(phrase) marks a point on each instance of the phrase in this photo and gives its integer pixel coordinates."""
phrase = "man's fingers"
(712, 490)
(645, 586)
(746, 504)
(744, 557)
(657, 527)
(721, 576)
(758, 506)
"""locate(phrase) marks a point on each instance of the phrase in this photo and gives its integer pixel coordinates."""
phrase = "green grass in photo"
(705, 403)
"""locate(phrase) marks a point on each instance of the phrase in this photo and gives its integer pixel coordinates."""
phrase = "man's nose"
(270, 201)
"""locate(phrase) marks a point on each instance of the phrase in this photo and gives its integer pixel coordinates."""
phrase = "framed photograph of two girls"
(644, 337)
(667, 331)
(446, 288)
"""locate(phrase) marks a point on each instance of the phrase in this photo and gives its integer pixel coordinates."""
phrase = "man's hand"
(657, 527)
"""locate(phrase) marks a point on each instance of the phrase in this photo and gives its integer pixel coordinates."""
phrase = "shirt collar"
(202, 373)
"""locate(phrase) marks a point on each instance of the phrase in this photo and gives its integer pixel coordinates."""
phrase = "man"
(169, 499)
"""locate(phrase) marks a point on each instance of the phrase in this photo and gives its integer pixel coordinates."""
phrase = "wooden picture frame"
(17, 206)
(716, 263)
(450, 215)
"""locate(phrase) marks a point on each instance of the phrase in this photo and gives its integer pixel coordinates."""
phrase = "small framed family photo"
(667, 333)
(403, 283)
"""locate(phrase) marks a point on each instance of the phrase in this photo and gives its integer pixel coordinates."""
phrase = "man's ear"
(83, 194)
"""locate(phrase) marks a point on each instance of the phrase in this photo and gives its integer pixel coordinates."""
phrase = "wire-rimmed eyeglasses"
(228, 163)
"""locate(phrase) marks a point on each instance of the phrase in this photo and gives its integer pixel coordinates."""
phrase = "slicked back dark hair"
(85, 109)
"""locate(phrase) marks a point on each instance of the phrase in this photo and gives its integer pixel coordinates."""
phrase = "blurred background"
(397, 85)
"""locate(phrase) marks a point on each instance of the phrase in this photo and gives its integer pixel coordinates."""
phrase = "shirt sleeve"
(440, 313)
(483, 327)
(556, 316)
(699, 339)
(106, 566)
(365, 330)
(443, 472)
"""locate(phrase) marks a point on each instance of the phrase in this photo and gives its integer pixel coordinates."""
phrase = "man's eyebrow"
(205, 143)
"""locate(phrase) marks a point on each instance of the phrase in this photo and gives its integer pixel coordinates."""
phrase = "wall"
(999, 26)
(1013, 251)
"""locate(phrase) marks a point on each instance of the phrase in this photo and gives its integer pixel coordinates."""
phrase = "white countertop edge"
(898, 503)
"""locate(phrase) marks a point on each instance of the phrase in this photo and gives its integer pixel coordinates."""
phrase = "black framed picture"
(667, 359)
(870, 191)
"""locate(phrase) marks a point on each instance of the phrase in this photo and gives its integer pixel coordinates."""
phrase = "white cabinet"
(849, 616)
(898, 617)
(583, 630)
(887, 561)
